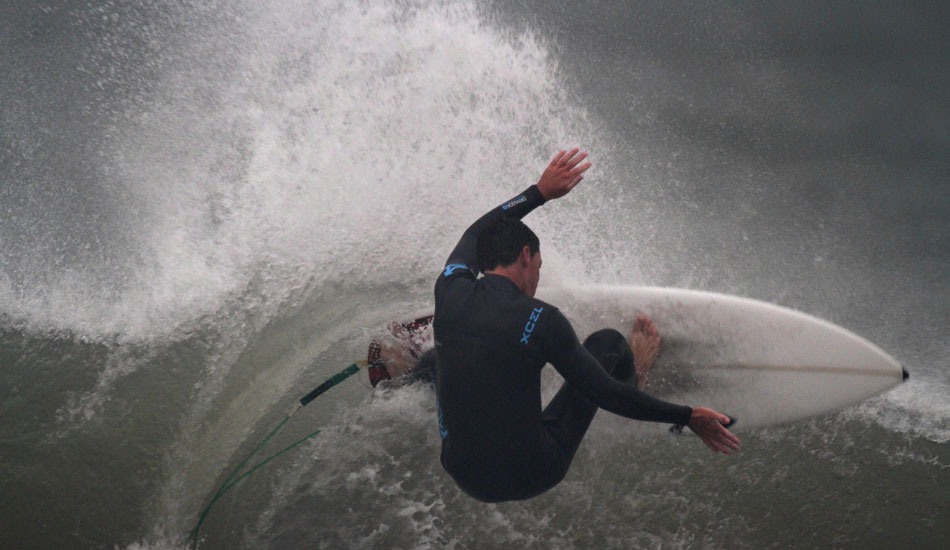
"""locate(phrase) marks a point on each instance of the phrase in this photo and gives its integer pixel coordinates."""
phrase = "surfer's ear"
(525, 256)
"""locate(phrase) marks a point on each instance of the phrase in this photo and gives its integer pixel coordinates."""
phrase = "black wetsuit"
(491, 342)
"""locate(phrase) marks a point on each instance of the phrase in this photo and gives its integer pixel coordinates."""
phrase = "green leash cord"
(231, 481)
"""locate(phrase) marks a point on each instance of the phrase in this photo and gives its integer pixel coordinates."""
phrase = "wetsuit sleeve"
(580, 369)
(465, 253)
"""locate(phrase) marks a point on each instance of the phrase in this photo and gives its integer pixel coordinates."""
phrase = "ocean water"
(208, 208)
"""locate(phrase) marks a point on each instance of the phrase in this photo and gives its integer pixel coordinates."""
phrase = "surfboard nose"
(906, 374)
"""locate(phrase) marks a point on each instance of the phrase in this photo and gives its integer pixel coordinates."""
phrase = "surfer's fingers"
(721, 440)
(729, 439)
(714, 445)
(727, 445)
(580, 170)
(566, 158)
(572, 162)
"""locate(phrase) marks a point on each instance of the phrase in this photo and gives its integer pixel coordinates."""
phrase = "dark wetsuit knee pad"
(605, 340)
(613, 352)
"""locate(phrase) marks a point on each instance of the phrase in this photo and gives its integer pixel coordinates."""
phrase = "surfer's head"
(501, 243)
(509, 247)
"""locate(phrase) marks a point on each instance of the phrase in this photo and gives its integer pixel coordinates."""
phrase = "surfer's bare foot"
(397, 358)
(645, 344)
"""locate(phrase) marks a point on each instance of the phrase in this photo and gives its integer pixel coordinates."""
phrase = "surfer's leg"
(569, 414)
(424, 371)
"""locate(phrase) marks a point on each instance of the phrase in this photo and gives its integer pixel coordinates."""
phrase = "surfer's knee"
(610, 348)
(605, 340)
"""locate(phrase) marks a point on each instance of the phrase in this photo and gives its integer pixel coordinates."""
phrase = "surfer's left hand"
(562, 174)
(709, 426)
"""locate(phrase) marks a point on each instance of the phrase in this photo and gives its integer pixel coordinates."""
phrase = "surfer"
(492, 338)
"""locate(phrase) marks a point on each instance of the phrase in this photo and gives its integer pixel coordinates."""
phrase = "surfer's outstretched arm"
(558, 179)
(580, 369)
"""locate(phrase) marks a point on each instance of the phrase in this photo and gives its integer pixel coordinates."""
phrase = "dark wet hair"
(501, 243)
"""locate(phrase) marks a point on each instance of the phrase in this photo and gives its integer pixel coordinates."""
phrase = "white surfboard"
(758, 362)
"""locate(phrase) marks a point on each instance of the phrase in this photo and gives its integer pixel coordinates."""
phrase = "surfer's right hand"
(709, 426)
(562, 174)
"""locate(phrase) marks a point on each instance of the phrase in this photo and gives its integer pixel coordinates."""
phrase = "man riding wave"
(492, 338)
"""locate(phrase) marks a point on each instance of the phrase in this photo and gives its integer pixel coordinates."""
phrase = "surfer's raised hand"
(709, 426)
(562, 174)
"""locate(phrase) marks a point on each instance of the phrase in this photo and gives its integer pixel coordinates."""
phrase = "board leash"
(234, 478)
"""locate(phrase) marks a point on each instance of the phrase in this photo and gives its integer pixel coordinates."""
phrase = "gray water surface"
(207, 209)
